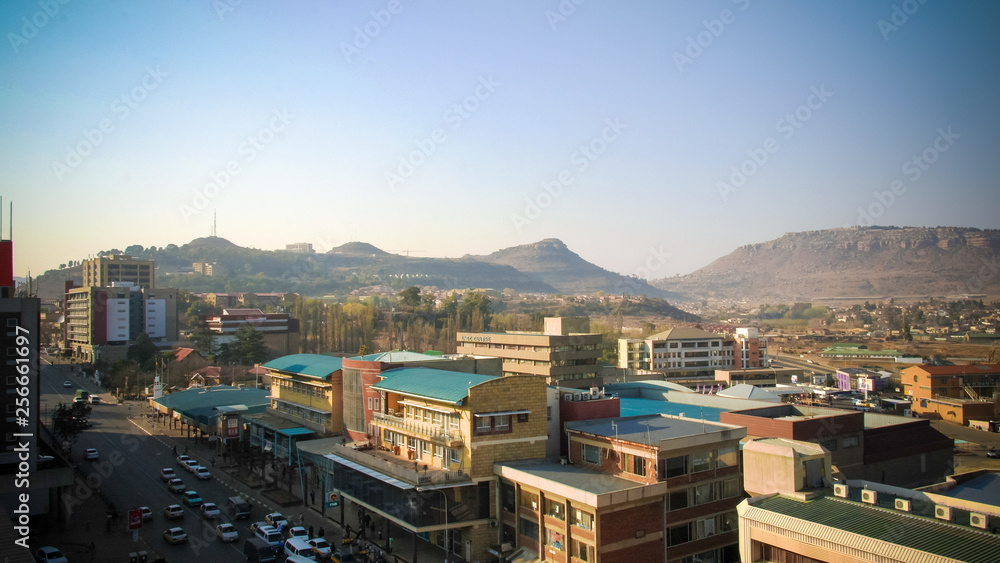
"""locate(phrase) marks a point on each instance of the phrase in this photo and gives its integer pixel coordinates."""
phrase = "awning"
(897, 401)
(295, 431)
(370, 472)
(500, 413)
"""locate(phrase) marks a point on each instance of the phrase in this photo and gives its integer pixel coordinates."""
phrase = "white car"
(92, 454)
(49, 554)
(321, 548)
(210, 511)
(191, 465)
(202, 473)
(227, 532)
(167, 473)
(175, 536)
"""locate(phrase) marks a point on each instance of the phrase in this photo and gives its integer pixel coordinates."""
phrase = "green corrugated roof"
(916, 532)
(313, 365)
(439, 385)
(218, 396)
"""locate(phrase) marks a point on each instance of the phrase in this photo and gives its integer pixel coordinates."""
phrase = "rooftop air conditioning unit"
(870, 497)
(585, 396)
(903, 505)
(840, 490)
(978, 520)
(942, 513)
(576, 396)
(567, 396)
(594, 391)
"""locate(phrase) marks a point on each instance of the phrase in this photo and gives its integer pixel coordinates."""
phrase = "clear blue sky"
(313, 106)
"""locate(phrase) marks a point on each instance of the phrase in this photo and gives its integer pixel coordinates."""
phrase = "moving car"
(192, 499)
(176, 486)
(147, 513)
(190, 465)
(267, 533)
(238, 507)
(167, 473)
(49, 554)
(210, 511)
(92, 454)
(175, 536)
(276, 519)
(173, 512)
(227, 532)
(95, 400)
(202, 473)
(67, 383)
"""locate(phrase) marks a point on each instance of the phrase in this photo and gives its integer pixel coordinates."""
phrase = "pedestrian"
(312, 497)
(360, 521)
(380, 534)
(300, 518)
(311, 534)
(213, 461)
(347, 531)
(390, 546)
(175, 450)
(321, 532)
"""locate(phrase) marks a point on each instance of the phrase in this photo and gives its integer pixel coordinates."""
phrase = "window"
(529, 500)
(582, 551)
(705, 528)
(548, 413)
(554, 539)
(436, 418)
(727, 457)
(411, 443)
(634, 464)
(439, 451)
(591, 454)
(507, 496)
(678, 500)
(453, 456)
(529, 529)
(523, 417)
(850, 442)
(830, 444)
(704, 494)
(676, 466)
(555, 509)
(425, 446)
(679, 534)
(701, 461)
(583, 520)
(501, 423)
(730, 488)
(483, 425)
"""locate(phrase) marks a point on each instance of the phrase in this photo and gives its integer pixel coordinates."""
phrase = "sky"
(650, 137)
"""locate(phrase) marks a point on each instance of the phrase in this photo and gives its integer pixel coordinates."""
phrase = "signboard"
(134, 519)
(332, 500)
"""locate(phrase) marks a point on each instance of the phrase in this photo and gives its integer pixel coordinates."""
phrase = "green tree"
(249, 346)
(142, 351)
(363, 350)
(410, 297)
(204, 340)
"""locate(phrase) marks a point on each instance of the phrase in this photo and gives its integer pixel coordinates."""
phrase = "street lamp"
(447, 536)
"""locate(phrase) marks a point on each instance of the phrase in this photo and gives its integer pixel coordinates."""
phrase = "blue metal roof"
(313, 365)
(295, 431)
(436, 384)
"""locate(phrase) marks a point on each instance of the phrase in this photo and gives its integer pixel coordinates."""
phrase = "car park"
(175, 536)
(321, 548)
(210, 511)
(191, 498)
(276, 519)
(167, 473)
(173, 512)
(49, 554)
(92, 454)
(202, 473)
(227, 532)
(147, 513)
(176, 486)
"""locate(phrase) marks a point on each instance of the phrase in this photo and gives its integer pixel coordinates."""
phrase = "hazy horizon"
(624, 130)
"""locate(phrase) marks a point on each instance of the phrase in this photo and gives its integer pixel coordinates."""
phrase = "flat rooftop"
(985, 489)
(648, 429)
(549, 474)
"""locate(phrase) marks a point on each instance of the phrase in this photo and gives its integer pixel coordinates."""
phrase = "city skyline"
(448, 130)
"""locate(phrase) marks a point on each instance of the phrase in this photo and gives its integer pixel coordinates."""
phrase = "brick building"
(644, 488)
(953, 393)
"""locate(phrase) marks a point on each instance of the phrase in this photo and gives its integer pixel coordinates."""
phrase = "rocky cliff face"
(853, 262)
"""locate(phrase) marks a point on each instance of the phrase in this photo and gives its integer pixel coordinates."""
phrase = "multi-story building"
(208, 268)
(643, 488)
(102, 272)
(888, 449)
(361, 402)
(692, 352)
(566, 353)
(300, 248)
(860, 379)
(953, 393)
(100, 322)
(280, 330)
(429, 467)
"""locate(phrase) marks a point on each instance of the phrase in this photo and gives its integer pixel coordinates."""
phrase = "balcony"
(385, 462)
(431, 432)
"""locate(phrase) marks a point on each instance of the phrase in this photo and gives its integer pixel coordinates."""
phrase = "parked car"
(95, 400)
(210, 511)
(296, 532)
(276, 519)
(182, 458)
(227, 532)
(202, 473)
(266, 532)
(191, 465)
(173, 512)
(176, 486)
(49, 554)
(321, 548)
(92, 454)
(175, 536)
(994, 453)
(167, 473)
(147, 513)
(67, 383)
(191, 498)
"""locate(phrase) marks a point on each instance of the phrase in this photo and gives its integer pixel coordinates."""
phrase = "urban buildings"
(644, 488)
(209, 269)
(565, 353)
(104, 271)
(861, 379)
(300, 248)
(953, 393)
(280, 330)
(693, 353)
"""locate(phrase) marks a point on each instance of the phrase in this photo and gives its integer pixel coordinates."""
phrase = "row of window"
(423, 449)
(556, 540)
(704, 494)
(306, 414)
(701, 529)
(427, 416)
(699, 461)
(553, 508)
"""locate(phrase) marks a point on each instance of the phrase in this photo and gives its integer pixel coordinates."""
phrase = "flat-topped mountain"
(852, 262)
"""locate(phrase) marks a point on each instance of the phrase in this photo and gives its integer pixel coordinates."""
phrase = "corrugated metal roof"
(218, 396)
(436, 384)
(397, 356)
(313, 365)
(905, 530)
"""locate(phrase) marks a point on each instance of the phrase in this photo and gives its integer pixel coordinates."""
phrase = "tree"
(142, 350)
(68, 420)
(410, 297)
(204, 340)
(364, 350)
(249, 346)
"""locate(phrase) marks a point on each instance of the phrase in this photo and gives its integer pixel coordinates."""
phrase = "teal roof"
(916, 532)
(313, 365)
(201, 403)
(436, 384)
(397, 356)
